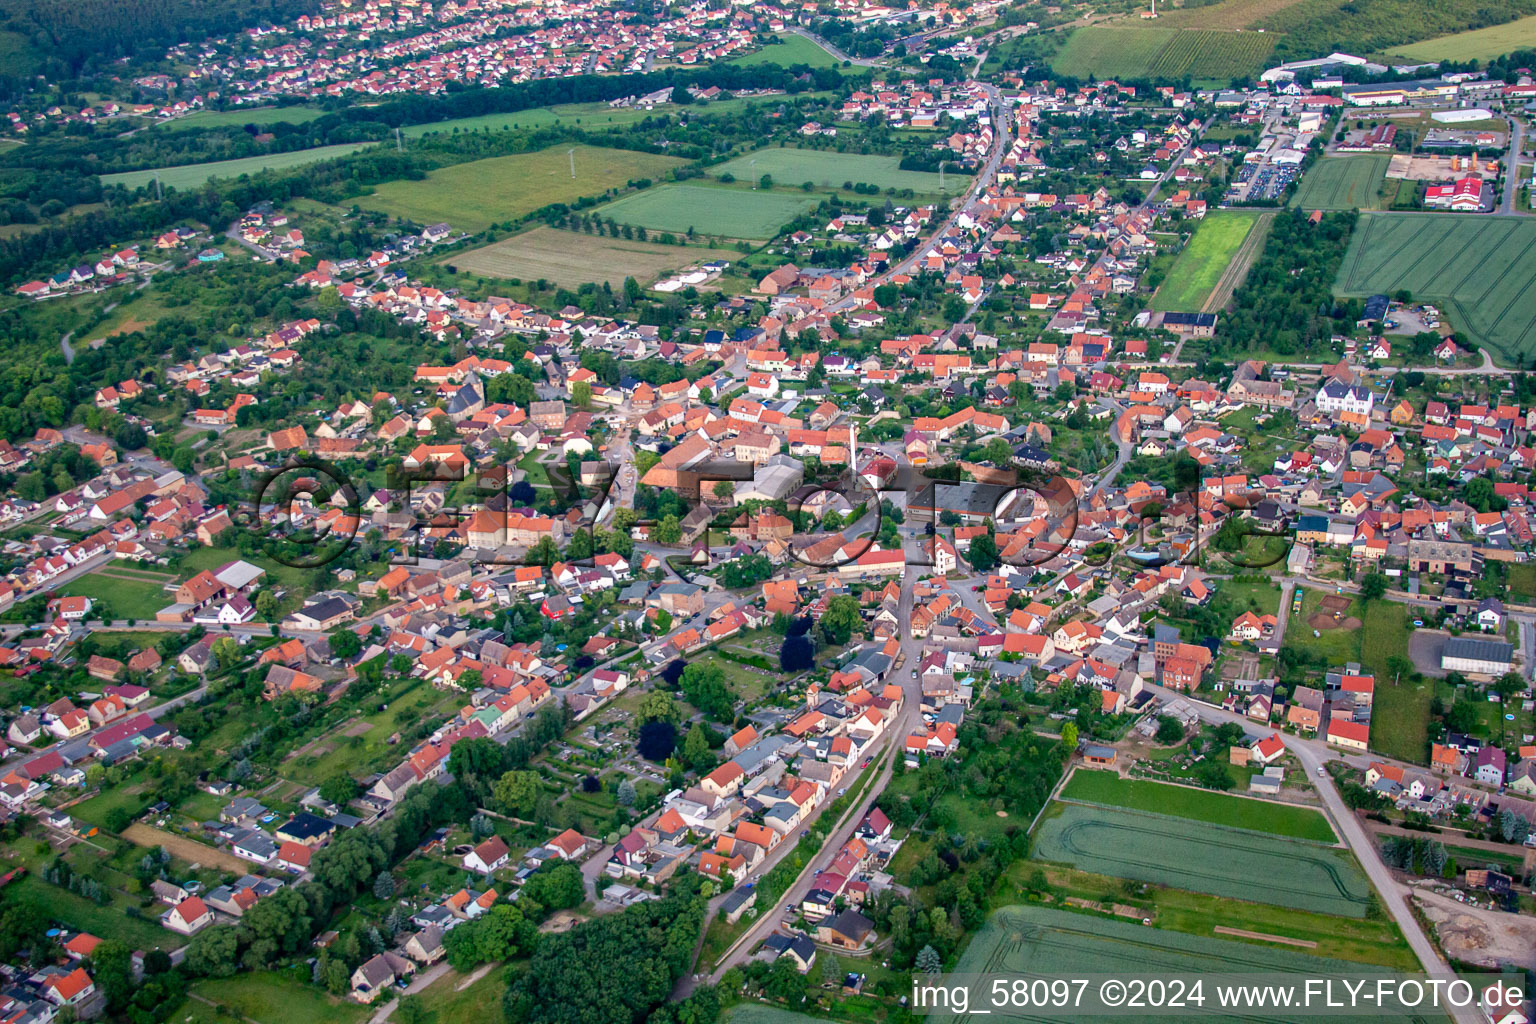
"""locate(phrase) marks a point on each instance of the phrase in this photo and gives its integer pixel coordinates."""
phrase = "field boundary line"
(1236, 273)
(1241, 933)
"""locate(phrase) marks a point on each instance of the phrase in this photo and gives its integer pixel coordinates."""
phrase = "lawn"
(585, 114)
(279, 997)
(1199, 805)
(792, 165)
(192, 175)
(790, 50)
(242, 116)
(571, 259)
(1233, 863)
(444, 1004)
(1195, 273)
(1162, 53)
(474, 195)
(725, 212)
(1477, 44)
(353, 750)
(107, 920)
(1383, 634)
(1343, 183)
(128, 796)
(1480, 270)
(120, 594)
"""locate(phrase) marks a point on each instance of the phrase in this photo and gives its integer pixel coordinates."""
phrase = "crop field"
(1171, 53)
(1481, 270)
(241, 116)
(193, 175)
(790, 165)
(1210, 250)
(474, 195)
(1477, 44)
(1228, 15)
(571, 259)
(726, 212)
(1199, 805)
(1042, 942)
(1343, 183)
(1228, 862)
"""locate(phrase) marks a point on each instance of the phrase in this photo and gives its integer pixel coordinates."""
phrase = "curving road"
(1313, 754)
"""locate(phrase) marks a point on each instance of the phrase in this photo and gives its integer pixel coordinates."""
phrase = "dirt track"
(186, 849)
(1237, 270)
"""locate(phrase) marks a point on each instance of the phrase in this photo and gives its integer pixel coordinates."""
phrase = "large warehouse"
(1473, 657)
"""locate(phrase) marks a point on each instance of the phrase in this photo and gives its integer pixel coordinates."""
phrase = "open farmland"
(1041, 942)
(474, 195)
(790, 165)
(1343, 183)
(193, 175)
(726, 212)
(570, 259)
(1477, 44)
(1480, 270)
(1210, 250)
(1225, 14)
(1199, 805)
(1169, 53)
(1228, 862)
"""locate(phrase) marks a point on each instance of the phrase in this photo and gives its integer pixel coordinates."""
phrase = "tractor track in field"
(1237, 270)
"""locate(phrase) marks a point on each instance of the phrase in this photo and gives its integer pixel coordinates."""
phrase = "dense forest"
(1287, 303)
(86, 34)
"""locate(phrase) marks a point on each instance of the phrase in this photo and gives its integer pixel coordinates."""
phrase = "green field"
(474, 195)
(123, 593)
(1042, 942)
(1477, 44)
(1199, 805)
(1480, 269)
(1343, 183)
(789, 51)
(193, 175)
(279, 997)
(790, 165)
(727, 212)
(1228, 862)
(1167, 53)
(243, 116)
(1194, 274)
(109, 919)
(571, 259)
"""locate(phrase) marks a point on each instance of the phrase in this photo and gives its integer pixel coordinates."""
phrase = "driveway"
(1424, 647)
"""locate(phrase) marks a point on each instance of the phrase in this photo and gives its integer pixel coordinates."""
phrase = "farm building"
(1474, 657)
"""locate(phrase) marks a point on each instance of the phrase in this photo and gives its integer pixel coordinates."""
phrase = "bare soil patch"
(1478, 935)
(186, 849)
(1222, 929)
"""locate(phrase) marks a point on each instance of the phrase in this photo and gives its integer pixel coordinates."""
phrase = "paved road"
(1312, 754)
(770, 917)
(1512, 166)
(1001, 137)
